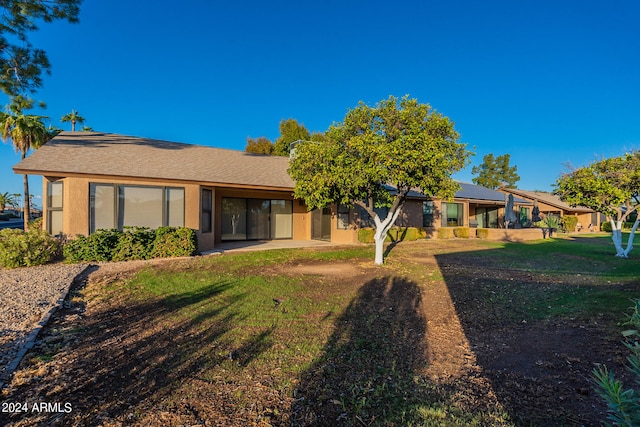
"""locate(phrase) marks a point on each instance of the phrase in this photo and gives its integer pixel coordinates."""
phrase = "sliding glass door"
(256, 219)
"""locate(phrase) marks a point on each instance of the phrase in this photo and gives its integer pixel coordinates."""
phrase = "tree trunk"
(382, 227)
(631, 235)
(26, 211)
(379, 259)
(616, 236)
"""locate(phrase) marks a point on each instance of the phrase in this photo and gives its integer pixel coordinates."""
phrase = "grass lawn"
(448, 332)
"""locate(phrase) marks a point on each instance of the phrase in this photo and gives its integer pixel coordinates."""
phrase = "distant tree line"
(290, 131)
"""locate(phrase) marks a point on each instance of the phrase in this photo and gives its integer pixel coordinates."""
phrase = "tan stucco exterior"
(75, 196)
(75, 216)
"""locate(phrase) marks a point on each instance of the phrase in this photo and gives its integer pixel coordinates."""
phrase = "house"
(550, 204)
(95, 180)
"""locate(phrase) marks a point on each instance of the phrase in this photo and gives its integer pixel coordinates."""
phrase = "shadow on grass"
(140, 355)
(368, 369)
(537, 335)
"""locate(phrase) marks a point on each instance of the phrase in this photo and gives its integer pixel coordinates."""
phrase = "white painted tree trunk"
(382, 226)
(616, 236)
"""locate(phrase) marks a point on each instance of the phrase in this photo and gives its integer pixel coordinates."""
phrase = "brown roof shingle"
(548, 198)
(95, 153)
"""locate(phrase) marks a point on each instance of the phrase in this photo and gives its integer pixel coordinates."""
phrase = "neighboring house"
(97, 181)
(550, 204)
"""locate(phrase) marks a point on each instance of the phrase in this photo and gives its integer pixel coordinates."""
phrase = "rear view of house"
(106, 181)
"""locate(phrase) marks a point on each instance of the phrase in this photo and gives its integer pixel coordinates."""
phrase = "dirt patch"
(326, 269)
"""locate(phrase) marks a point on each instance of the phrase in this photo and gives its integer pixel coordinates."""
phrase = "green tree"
(495, 172)
(290, 131)
(73, 117)
(260, 145)
(7, 199)
(376, 156)
(610, 186)
(26, 132)
(21, 64)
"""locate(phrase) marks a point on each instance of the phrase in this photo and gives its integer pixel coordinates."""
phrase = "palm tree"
(7, 199)
(26, 132)
(74, 118)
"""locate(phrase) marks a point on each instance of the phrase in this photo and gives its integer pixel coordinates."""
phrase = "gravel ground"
(26, 295)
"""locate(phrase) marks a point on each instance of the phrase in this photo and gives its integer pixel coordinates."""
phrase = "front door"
(321, 224)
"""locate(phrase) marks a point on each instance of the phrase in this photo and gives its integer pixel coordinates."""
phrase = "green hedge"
(606, 226)
(482, 233)
(171, 241)
(132, 244)
(445, 233)
(570, 223)
(461, 232)
(365, 235)
(20, 249)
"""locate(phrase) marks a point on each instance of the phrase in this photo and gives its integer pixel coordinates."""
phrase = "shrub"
(461, 232)
(445, 233)
(570, 223)
(171, 242)
(624, 405)
(606, 226)
(20, 249)
(99, 246)
(365, 235)
(134, 243)
(482, 233)
(410, 234)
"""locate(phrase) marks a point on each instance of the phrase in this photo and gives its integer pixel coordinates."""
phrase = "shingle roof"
(547, 198)
(94, 153)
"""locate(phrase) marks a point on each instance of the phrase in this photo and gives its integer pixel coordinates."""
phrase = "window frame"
(119, 202)
(426, 206)
(248, 218)
(445, 214)
(342, 212)
(51, 208)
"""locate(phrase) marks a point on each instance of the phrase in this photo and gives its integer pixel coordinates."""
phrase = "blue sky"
(548, 82)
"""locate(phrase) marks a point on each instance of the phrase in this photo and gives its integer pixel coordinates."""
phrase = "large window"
(119, 206)
(427, 213)
(256, 219)
(54, 207)
(487, 217)
(343, 217)
(281, 219)
(452, 214)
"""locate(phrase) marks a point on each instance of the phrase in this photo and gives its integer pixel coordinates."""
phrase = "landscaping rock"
(28, 296)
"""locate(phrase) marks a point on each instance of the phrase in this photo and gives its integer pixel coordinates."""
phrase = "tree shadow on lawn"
(539, 364)
(367, 373)
(135, 356)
